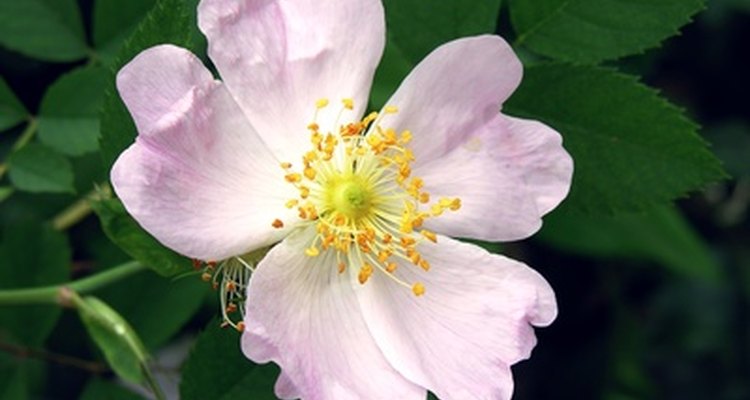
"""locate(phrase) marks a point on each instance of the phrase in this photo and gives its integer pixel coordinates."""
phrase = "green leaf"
(631, 148)
(126, 233)
(661, 235)
(216, 369)
(167, 22)
(589, 31)
(37, 168)
(98, 389)
(49, 30)
(31, 255)
(417, 27)
(12, 112)
(113, 335)
(69, 114)
(114, 21)
(162, 306)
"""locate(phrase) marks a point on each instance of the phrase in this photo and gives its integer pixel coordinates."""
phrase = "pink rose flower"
(364, 293)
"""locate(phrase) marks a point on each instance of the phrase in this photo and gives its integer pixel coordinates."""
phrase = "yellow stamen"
(418, 289)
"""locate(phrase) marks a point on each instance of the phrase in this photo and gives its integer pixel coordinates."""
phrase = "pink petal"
(279, 57)
(303, 315)
(508, 173)
(474, 321)
(454, 91)
(156, 79)
(201, 181)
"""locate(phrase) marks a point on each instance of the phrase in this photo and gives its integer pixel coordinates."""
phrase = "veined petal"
(201, 180)
(474, 321)
(279, 57)
(454, 91)
(508, 174)
(303, 315)
(156, 79)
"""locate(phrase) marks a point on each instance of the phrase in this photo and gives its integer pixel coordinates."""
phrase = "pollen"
(357, 192)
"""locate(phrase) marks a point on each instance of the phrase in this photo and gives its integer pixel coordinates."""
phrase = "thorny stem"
(52, 294)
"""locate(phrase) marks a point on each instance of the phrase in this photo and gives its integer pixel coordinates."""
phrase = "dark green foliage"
(589, 31)
(217, 369)
(632, 149)
(126, 233)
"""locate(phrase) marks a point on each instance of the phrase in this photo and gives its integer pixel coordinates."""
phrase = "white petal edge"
(201, 180)
(508, 173)
(452, 92)
(279, 57)
(474, 321)
(303, 315)
(157, 78)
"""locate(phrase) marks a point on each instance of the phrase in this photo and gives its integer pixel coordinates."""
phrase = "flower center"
(351, 197)
(356, 187)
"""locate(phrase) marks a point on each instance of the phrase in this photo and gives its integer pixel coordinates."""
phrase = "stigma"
(356, 189)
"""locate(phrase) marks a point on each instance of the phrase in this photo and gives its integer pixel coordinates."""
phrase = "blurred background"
(653, 305)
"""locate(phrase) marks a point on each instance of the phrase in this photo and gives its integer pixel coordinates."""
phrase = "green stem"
(26, 135)
(22, 140)
(79, 210)
(51, 294)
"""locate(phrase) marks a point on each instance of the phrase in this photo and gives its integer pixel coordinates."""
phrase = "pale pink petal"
(303, 315)
(201, 181)
(279, 57)
(156, 79)
(474, 321)
(508, 173)
(455, 90)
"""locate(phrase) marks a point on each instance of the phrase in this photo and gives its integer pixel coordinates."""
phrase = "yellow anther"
(364, 273)
(415, 257)
(369, 118)
(309, 173)
(348, 103)
(391, 267)
(424, 264)
(436, 210)
(312, 251)
(424, 197)
(286, 165)
(291, 203)
(406, 137)
(339, 220)
(429, 235)
(320, 103)
(304, 192)
(293, 177)
(387, 238)
(313, 127)
(390, 109)
(455, 204)
(310, 156)
(277, 223)
(407, 241)
(342, 267)
(417, 289)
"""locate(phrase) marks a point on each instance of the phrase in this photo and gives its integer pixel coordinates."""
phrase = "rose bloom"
(328, 230)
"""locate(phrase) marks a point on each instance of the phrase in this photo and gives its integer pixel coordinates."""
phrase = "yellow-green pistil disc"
(357, 190)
